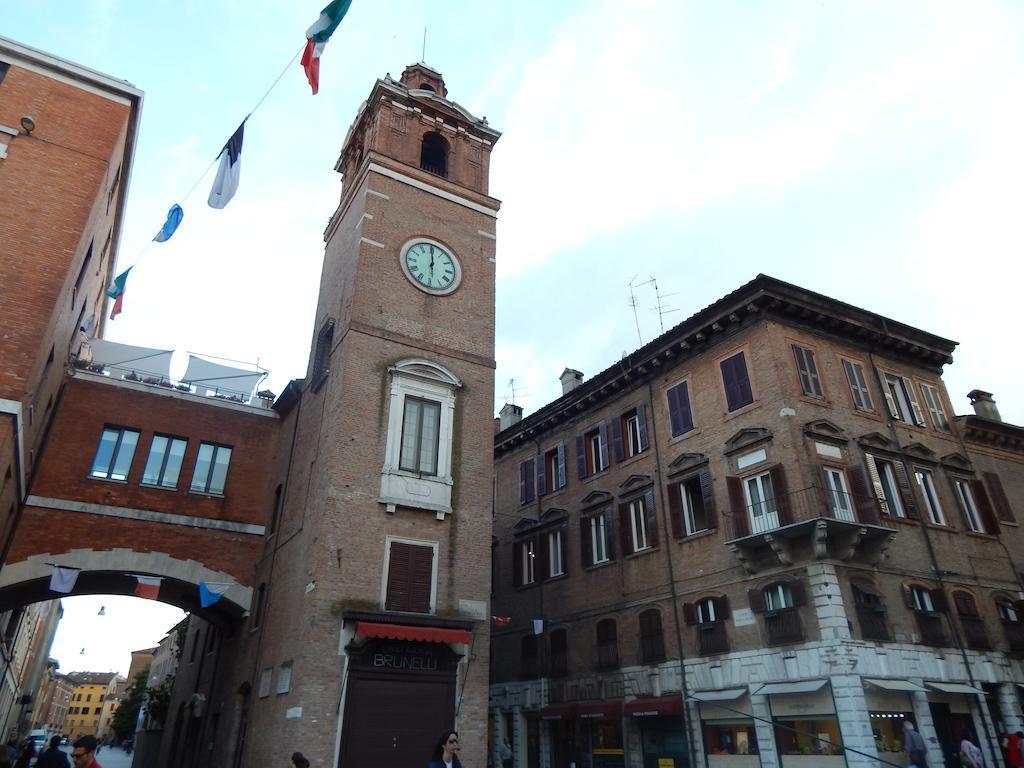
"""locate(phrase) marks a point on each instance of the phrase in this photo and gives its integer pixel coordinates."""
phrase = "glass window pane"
(173, 467)
(104, 453)
(428, 437)
(125, 454)
(157, 451)
(202, 471)
(410, 435)
(222, 457)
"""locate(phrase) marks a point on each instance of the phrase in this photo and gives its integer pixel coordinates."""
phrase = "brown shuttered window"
(652, 642)
(807, 369)
(999, 498)
(410, 577)
(736, 382)
(679, 409)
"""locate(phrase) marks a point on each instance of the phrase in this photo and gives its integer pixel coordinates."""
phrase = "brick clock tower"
(378, 598)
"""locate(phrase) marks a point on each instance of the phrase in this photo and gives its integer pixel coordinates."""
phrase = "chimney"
(570, 380)
(984, 405)
(509, 415)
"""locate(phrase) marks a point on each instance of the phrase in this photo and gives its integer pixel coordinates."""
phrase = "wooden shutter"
(999, 499)
(781, 491)
(918, 414)
(422, 578)
(679, 409)
(517, 564)
(965, 605)
(939, 600)
(810, 384)
(581, 457)
(707, 492)
(625, 537)
(675, 509)
(756, 599)
(864, 500)
(799, 593)
(741, 524)
(608, 529)
(617, 445)
(736, 382)
(602, 439)
(641, 422)
(689, 614)
(722, 608)
(561, 468)
(522, 483)
(855, 386)
(906, 490)
(542, 470)
(541, 568)
(586, 543)
(908, 597)
(988, 518)
(652, 521)
(410, 577)
(530, 496)
(876, 484)
(563, 542)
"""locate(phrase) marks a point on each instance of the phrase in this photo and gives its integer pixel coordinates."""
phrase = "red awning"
(603, 710)
(666, 705)
(558, 712)
(407, 632)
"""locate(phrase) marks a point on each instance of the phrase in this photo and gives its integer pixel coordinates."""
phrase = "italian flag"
(116, 292)
(148, 587)
(318, 35)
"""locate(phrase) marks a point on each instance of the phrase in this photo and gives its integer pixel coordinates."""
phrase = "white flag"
(538, 626)
(229, 171)
(63, 579)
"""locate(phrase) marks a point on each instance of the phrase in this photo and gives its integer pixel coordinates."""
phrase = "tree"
(157, 700)
(126, 714)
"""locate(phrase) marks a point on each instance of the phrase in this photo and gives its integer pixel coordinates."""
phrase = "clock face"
(431, 267)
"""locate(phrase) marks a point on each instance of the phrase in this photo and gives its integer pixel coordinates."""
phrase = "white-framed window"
(632, 434)
(838, 494)
(858, 386)
(926, 483)
(637, 515)
(597, 526)
(551, 475)
(899, 397)
(1007, 612)
(164, 463)
(777, 597)
(417, 456)
(555, 565)
(761, 506)
(265, 678)
(114, 454)
(933, 402)
(922, 599)
(597, 451)
(883, 479)
(527, 561)
(695, 518)
(706, 611)
(211, 471)
(284, 677)
(968, 506)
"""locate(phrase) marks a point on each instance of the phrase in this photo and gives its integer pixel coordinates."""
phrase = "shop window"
(607, 645)
(971, 622)
(164, 463)
(409, 583)
(528, 657)
(637, 524)
(551, 470)
(928, 606)
(926, 484)
(804, 735)
(652, 640)
(871, 611)
(596, 538)
(692, 505)
(1011, 615)
(629, 433)
(679, 411)
(736, 381)
(708, 615)
(559, 657)
(114, 454)
(526, 479)
(858, 386)
(729, 737)
(592, 451)
(807, 370)
(779, 602)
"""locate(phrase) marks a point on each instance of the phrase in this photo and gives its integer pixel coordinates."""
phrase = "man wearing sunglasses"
(83, 753)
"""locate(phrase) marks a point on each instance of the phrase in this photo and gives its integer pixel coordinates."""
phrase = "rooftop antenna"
(632, 303)
(658, 307)
(424, 56)
(512, 389)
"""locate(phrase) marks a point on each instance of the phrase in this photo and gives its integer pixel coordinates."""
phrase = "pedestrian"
(28, 752)
(913, 745)
(83, 752)
(298, 760)
(1014, 745)
(53, 757)
(445, 754)
(505, 753)
(970, 755)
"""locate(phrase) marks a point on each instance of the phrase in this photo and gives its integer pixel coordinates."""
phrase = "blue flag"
(174, 217)
(210, 593)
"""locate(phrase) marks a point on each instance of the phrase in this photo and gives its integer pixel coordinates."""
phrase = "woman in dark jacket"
(446, 752)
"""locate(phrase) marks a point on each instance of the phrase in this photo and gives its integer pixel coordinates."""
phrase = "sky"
(869, 151)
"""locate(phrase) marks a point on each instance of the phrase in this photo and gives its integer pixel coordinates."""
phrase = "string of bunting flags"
(225, 183)
(63, 579)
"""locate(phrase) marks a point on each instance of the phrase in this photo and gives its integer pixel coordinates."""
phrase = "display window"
(887, 728)
(817, 736)
(729, 737)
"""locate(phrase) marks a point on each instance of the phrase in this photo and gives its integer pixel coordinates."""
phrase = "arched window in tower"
(434, 154)
(427, 87)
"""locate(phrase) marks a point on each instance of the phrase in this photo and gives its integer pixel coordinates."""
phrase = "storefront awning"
(894, 685)
(558, 712)
(600, 710)
(663, 706)
(969, 690)
(406, 632)
(800, 686)
(728, 694)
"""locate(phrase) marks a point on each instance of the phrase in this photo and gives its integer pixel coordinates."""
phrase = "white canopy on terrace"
(222, 379)
(123, 359)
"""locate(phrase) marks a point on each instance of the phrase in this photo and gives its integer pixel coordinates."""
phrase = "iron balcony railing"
(712, 638)
(806, 504)
(974, 633)
(873, 625)
(930, 626)
(783, 626)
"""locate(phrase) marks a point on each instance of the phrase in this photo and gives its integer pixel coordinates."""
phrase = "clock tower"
(379, 594)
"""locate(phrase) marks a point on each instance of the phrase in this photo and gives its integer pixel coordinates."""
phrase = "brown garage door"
(393, 722)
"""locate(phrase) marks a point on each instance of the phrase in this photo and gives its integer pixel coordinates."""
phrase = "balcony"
(975, 636)
(783, 627)
(933, 633)
(873, 625)
(1014, 632)
(712, 639)
(809, 524)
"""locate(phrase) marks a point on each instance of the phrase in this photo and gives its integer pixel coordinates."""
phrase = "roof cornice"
(996, 434)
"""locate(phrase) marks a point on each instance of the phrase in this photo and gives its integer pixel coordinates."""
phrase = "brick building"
(761, 535)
